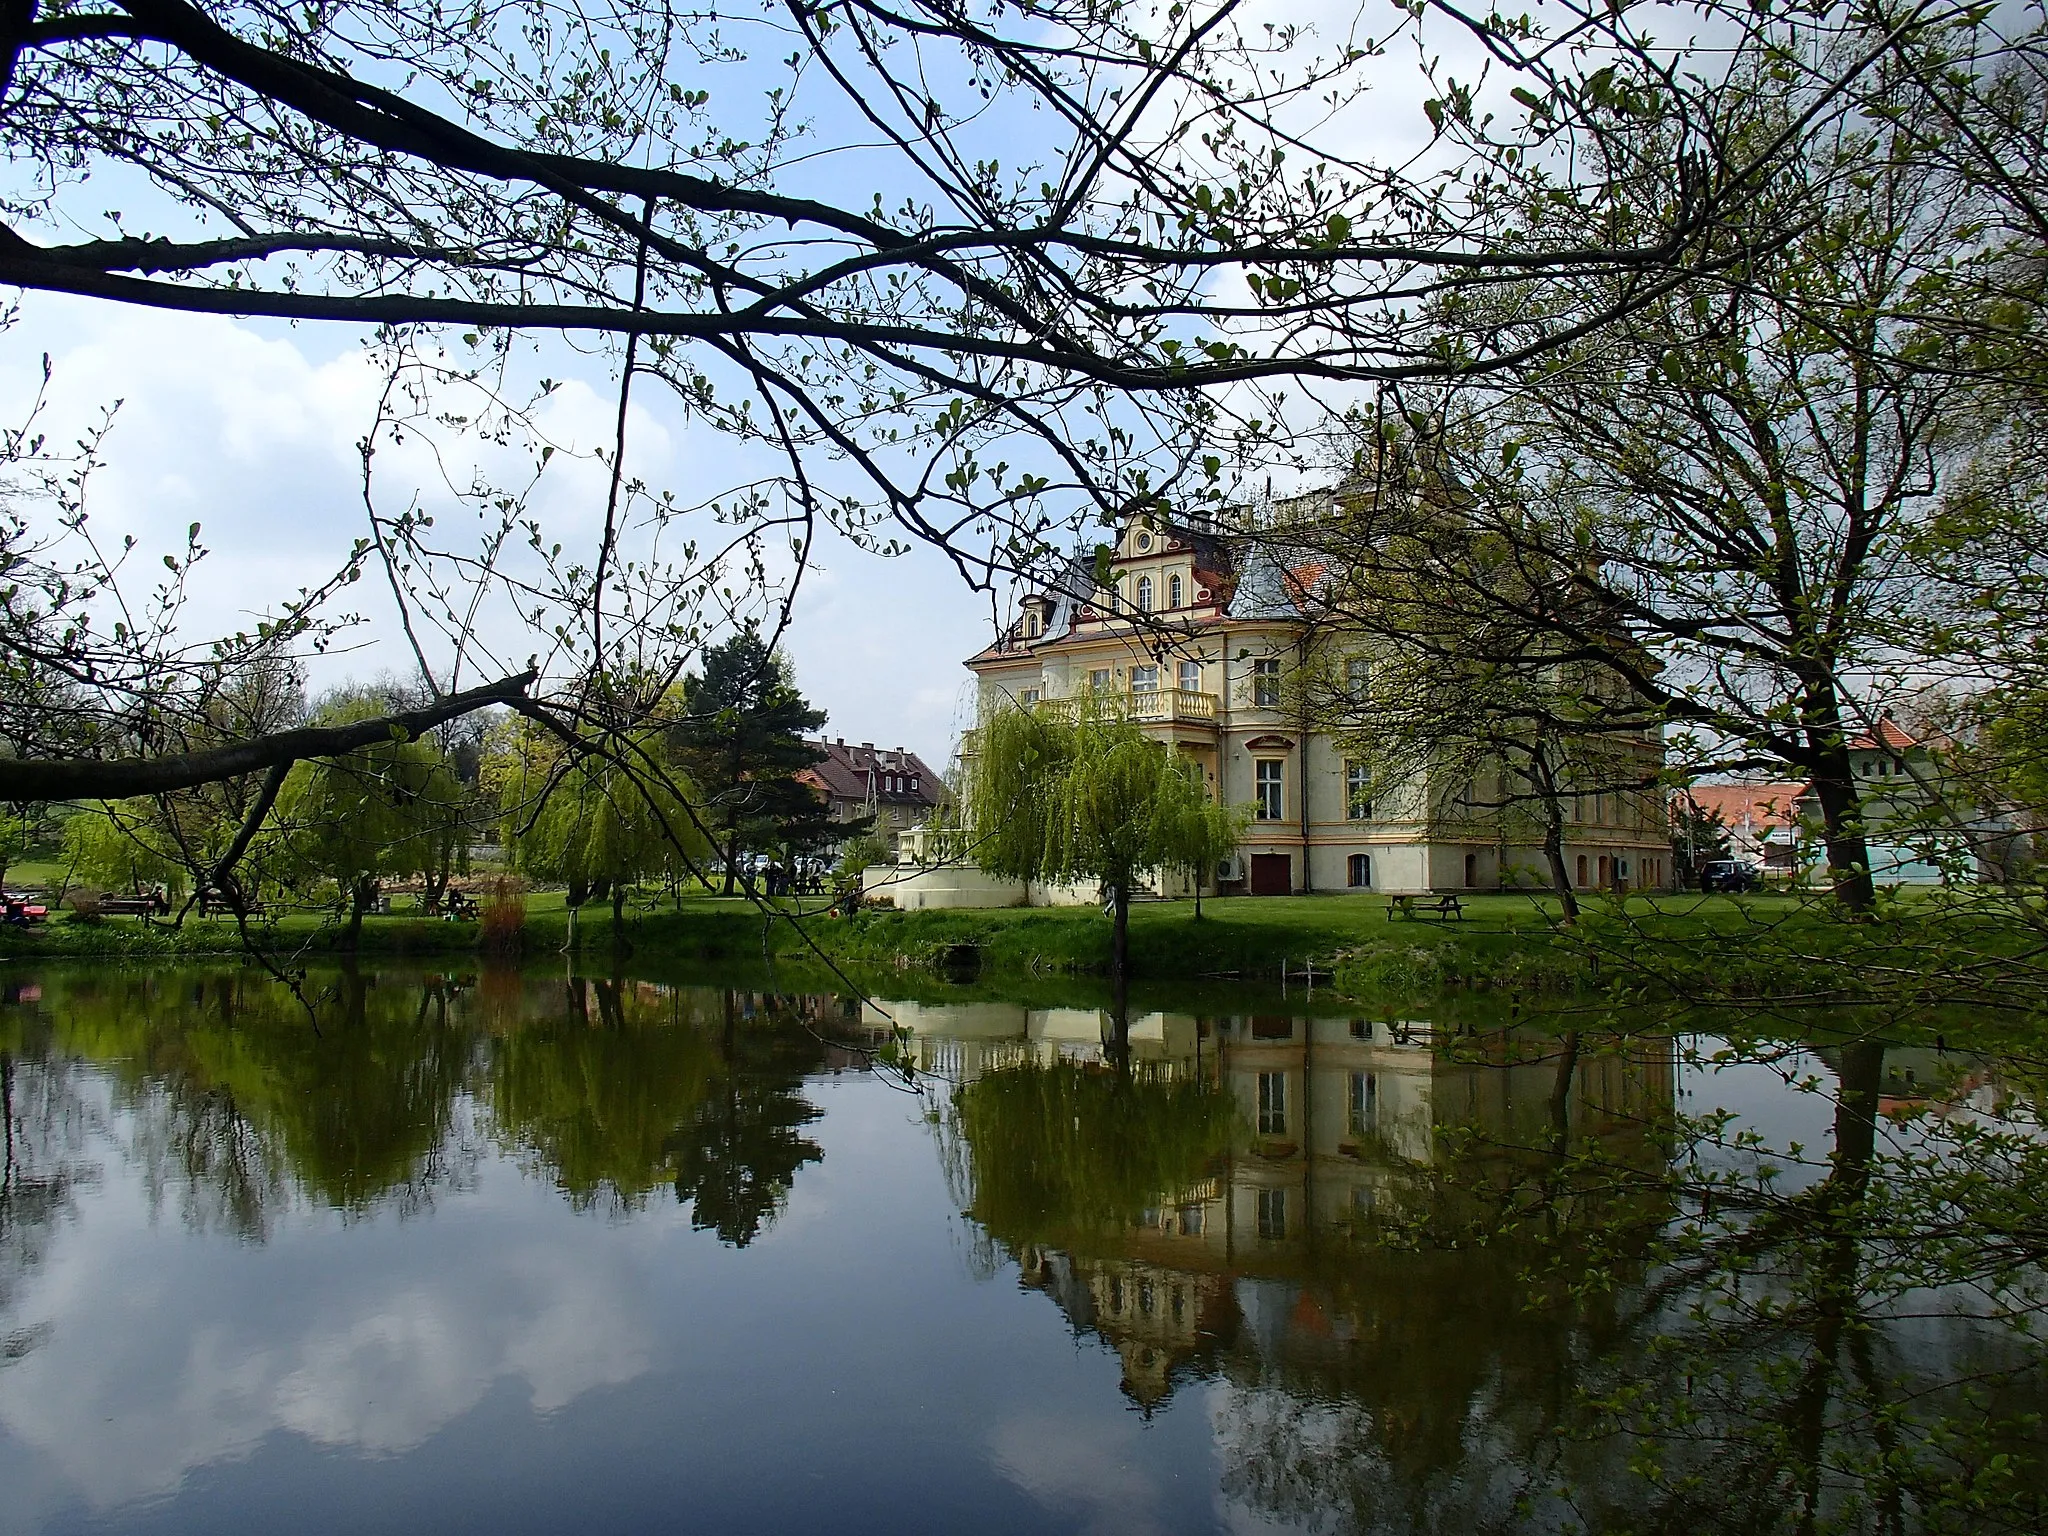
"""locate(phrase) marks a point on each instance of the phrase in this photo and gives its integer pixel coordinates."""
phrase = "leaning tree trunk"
(1544, 778)
(732, 859)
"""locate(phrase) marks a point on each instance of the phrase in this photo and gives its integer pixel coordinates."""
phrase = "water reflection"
(1471, 1279)
(1339, 1274)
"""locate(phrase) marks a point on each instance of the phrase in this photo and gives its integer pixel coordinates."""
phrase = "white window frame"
(1145, 679)
(1176, 591)
(1272, 1103)
(1357, 791)
(1144, 594)
(1190, 678)
(1269, 788)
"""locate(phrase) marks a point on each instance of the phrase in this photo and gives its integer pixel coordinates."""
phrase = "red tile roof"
(1754, 807)
(864, 772)
(1888, 736)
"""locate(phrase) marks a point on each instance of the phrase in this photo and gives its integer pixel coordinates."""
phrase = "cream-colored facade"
(1197, 636)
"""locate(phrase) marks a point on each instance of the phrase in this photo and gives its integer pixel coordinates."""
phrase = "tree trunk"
(732, 858)
(1553, 855)
(358, 904)
(1841, 822)
(1120, 933)
(578, 893)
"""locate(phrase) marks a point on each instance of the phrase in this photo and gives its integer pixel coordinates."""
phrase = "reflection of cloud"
(150, 1374)
(1091, 1468)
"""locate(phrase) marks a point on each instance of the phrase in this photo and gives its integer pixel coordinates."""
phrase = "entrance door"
(1272, 874)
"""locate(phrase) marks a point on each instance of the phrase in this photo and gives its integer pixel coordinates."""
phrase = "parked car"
(1729, 875)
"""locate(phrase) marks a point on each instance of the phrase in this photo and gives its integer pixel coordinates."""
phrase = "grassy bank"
(1504, 941)
(1508, 944)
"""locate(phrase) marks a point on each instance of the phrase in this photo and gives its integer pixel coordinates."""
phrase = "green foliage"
(124, 845)
(617, 814)
(385, 810)
(1088, 799)
(740, 737)
(1066, 1148)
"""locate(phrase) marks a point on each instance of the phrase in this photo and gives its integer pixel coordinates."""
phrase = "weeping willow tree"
(611, 816)
(1092, 798)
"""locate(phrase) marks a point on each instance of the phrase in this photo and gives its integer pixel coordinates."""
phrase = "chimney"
(867, 746)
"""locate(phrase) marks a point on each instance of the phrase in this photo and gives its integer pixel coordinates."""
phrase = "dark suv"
(1729, 875)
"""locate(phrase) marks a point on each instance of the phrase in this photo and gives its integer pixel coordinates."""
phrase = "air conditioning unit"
(1230, 869)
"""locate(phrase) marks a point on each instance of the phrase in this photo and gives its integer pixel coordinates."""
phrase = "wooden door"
(1272, 874)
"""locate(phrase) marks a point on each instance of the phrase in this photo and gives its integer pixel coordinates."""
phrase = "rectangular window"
(1365, 1103)
(1028, 697)
(1191, 677)
(1266, 683)
(1357, 677)
(1358, 870)
(1273, 1214)
(1357, 792)
(1272, 1103)
(1099, 680)
(1144, 679)
(1266, 782)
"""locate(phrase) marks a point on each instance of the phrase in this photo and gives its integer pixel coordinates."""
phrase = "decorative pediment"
(1271, 743)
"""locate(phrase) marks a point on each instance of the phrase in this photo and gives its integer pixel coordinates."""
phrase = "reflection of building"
(1160, 1321)
(1347, 1126)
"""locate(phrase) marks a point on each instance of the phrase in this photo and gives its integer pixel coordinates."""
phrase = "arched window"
(1144, 594)
(1174, 592)
(1034, 626)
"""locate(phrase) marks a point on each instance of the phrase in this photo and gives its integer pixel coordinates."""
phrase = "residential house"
(1762, 821)
(1920, 828)
(1194, 633)
(893, 785)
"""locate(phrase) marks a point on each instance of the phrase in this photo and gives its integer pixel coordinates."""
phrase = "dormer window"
(1144, 594)
(1034, 626)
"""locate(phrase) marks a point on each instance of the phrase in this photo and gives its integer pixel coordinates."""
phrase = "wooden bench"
(128, 906)
(1443, 908)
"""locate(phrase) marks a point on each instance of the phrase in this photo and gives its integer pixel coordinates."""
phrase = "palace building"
(1195, 633)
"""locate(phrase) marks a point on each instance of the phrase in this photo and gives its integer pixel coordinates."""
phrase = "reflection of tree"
(1061, 1150)
(738, 1153)
(1860, 1353)
(596, 1093)
(237, 1094)
(42, 1120)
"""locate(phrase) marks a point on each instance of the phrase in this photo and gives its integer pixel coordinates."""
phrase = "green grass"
(1511, 944)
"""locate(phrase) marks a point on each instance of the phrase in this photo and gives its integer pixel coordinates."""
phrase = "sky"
(250, 429)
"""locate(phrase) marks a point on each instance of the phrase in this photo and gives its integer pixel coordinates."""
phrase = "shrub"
(504, 923)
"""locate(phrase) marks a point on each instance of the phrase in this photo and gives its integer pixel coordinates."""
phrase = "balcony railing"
(1151, 706)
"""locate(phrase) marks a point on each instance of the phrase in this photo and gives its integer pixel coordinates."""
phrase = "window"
(1365, 1103)
(1034, 626)
(1144, 594)
(1191, 1224)
(1273, 1214)
(1266, 781)
(1357, 793)
(1272, 1103)
(1266, 683)
(916, 780)
(1099, 680)
(1471, 869)
(1176, 595)
(1028, 697)
(1580, 882)
(1191, 677)
(1358, 870)
(1145, 679)
(1357, 677)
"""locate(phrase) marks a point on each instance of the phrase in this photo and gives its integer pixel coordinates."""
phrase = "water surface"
(514, 1252)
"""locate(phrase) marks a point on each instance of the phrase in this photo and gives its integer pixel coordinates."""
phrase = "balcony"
(1153, 706)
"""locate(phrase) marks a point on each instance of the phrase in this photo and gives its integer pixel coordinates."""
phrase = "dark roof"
(865, 772)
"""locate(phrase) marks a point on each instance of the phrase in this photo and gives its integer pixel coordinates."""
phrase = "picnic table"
(1418, 904)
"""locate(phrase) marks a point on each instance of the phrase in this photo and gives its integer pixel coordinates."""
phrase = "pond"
(507, 1251)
